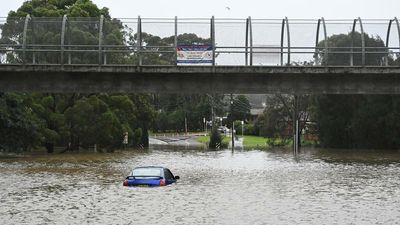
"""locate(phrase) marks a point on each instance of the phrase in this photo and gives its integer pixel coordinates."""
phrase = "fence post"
(176, 41)
(212, 25)
(362, 42)
(251, 41)
(326, 44)
(27, 18)
(101, 23)
(64, 21)
(387, 42)
(247, 43)
(139, 41)
(288, 39)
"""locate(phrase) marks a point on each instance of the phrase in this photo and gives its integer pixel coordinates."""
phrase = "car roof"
(144, 167)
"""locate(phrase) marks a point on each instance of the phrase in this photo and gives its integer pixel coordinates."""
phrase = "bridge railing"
(243, 42)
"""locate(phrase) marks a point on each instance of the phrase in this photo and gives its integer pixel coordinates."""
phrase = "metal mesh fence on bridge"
(221, 42)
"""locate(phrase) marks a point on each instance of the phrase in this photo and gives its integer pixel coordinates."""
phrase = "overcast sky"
(309, 9)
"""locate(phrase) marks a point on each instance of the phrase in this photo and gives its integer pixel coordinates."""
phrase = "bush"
(278, 142)
(215, 138)
(248, 129)
(137, 136)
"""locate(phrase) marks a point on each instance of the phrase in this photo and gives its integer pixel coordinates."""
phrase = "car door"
(169, 177)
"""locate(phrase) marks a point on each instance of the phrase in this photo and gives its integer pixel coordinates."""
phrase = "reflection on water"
(216, 187)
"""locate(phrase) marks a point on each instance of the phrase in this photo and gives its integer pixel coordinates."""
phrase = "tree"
(174, 108)
(342, 42)
(92, 122)
(19, 126)
(240, 109)
(64, 117)
(277, 119)
(357, 121)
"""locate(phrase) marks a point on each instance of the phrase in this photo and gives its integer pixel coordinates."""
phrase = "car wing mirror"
(176, 177)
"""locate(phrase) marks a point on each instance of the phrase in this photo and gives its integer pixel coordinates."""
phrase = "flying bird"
(228, 8)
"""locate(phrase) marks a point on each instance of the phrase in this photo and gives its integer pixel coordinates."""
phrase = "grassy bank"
(256, 141)
(262, 142)
(206, 140)
(259, 142)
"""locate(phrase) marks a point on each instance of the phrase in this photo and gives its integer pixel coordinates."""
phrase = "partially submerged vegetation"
(206, 140)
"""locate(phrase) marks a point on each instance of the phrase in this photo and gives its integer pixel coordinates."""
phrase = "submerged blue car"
(150, 176)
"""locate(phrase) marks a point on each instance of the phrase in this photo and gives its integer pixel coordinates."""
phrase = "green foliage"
(276, 121)
(262, 142)
(48, 31)
(224, 142)
(173, 109)
(70, 120)
(58, 8)
(343, 41)
(254, 141)
(271, 123)
(238, 127)
(20, 129)
(278, 142)
(137, 137)
(92, 122)
(240, 109)
(248, 129)
(357, 121)
(203, 139)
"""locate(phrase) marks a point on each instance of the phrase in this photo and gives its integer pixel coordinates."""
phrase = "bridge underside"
(204, 79)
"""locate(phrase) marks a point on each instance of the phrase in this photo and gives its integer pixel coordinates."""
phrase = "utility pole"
(212, 116)
(185, 125)
(295, 125)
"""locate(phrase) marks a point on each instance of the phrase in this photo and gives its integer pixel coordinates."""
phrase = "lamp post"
(242, 128)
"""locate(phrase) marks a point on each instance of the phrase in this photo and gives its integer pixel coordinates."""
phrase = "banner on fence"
(194, 55)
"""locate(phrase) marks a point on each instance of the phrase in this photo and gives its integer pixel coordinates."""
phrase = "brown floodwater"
(216, 187)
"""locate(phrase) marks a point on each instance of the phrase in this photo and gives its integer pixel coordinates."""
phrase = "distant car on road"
(150, 176)
(223, 129)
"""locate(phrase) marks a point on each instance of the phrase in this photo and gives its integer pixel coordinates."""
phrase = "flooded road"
(216, 187)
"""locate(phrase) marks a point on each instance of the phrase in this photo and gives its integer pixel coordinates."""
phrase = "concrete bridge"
(200, 79)
(263, 56)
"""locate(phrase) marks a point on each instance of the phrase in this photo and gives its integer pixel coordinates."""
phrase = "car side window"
(168, 174)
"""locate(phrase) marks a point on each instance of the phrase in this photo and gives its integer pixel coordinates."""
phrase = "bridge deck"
(200, 79)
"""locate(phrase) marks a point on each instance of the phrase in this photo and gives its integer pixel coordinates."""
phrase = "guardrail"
(154, 41)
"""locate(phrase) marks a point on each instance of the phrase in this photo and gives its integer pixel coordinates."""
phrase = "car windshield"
(146, 172)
